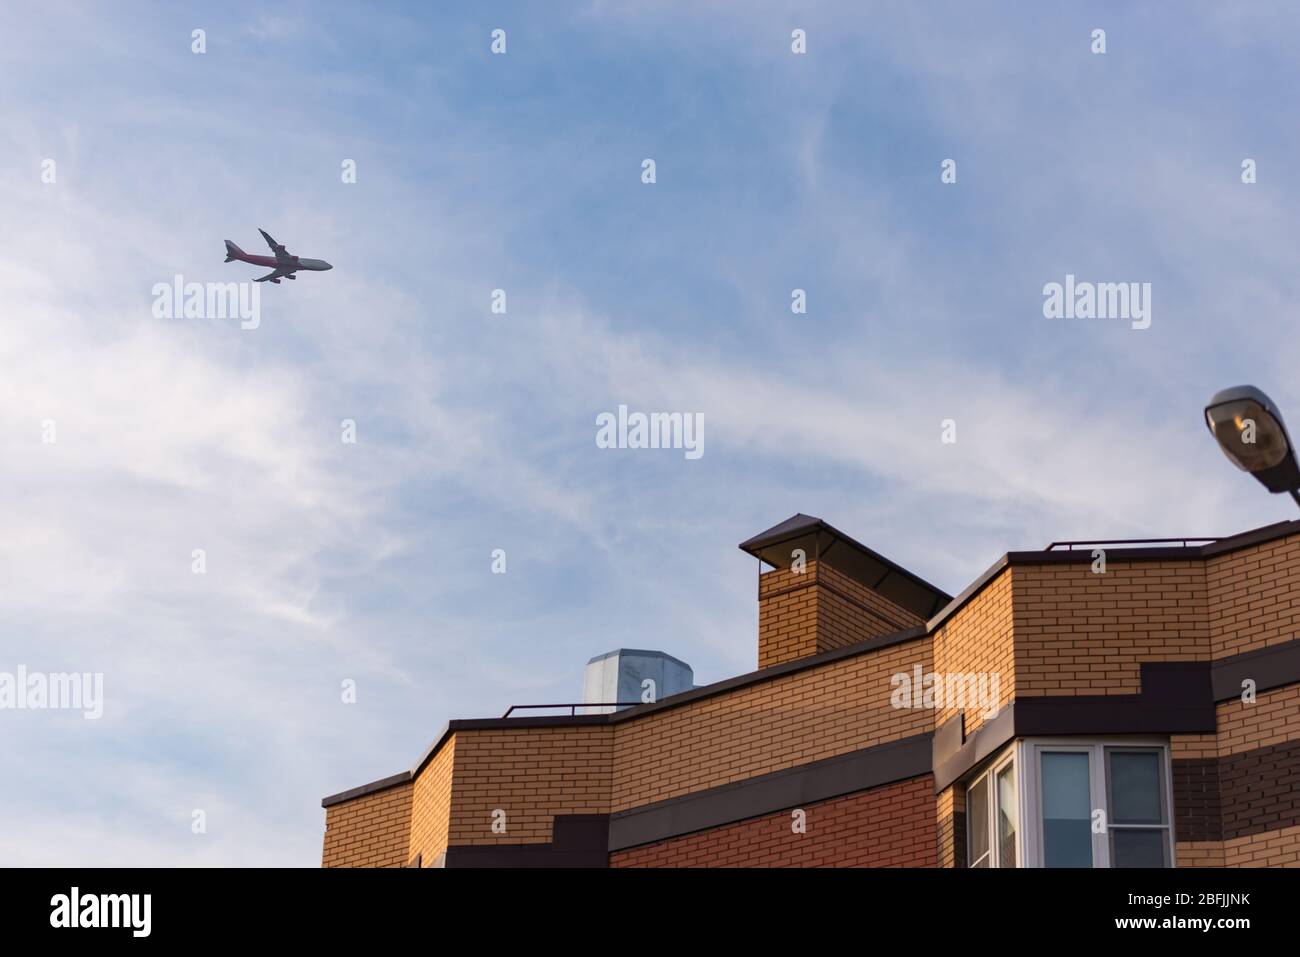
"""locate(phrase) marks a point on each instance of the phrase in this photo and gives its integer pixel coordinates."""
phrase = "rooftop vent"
(626, 677)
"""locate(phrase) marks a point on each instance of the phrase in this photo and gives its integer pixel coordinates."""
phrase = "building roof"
(808, 529)
(823, 542)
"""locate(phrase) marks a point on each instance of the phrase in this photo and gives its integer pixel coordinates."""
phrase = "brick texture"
(1274, 718)
(804, 613)
(1268, 849)
(1198, 808)
(1199, 854)
(371, 831)
(1254, 597)
(978, 639)
(1260, 789)
(1237, 793)
(1081, 633)
(951, 827)
(818, 713)
(431, 806)
(891, 826)
(531, 774)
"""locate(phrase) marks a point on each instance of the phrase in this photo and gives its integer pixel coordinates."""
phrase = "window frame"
(1099, 787)
(1163, 771)
(989, 774)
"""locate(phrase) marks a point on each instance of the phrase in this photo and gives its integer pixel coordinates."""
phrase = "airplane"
(285, 265)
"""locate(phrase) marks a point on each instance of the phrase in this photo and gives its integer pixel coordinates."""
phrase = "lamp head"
(1250, 431)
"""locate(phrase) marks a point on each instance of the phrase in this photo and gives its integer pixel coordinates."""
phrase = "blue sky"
(371, 561)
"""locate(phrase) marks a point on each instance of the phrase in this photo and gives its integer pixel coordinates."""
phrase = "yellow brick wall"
(1254, 597)
(804, 613)
(1274, 718)
(1279, 848)
(532, 774)
(370, 831)
(1200, 854)
(1193, 746)
(951, 801)
(431, 806)
(818, 713)
(787, 616)
(1080, 633)
(979, 639)
(850, 612)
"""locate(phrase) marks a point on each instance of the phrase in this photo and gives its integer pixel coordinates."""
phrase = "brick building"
(1096, 706)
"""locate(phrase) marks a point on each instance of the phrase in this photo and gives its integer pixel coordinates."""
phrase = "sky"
(369, 564)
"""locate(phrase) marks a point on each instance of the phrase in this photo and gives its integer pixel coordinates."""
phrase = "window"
(1007, 815)
(992, 815)
(977, 816)
(1098, 804)
(1067, 809)
(1083, 804)
(1139, 824)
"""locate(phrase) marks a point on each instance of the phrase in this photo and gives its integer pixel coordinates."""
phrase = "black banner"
(621, 907)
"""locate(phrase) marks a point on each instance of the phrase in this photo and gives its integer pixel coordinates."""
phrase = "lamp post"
(1249, 429)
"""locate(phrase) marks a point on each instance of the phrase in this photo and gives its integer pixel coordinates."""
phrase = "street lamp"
(1248, 427)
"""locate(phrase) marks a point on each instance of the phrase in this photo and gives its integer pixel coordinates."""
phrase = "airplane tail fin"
(232, 251)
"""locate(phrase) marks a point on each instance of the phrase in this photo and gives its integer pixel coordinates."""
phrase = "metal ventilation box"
(630, 676)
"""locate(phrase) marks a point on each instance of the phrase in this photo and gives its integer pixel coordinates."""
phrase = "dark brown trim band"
(817, 781)
(992, 736)
(392, 781)
(1273, 667)
(1175, 699)
(577, 840)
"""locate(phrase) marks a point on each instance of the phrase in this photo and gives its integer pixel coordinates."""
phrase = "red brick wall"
(891, 826)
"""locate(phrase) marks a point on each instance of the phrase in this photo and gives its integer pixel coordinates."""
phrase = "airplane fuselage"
(283, 264)
(293, 262)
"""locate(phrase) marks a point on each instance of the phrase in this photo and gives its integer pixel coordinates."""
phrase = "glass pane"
(1067, 818)
(1007, 816)
(1135, 787)
(1138, 847)
(977, 820)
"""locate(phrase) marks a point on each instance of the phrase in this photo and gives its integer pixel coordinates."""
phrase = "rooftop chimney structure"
(827, 591)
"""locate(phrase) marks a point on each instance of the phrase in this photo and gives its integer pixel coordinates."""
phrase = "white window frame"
(990, 774)
(1031, 842)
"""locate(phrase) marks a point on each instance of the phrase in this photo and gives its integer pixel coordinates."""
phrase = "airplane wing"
(280, 251)
(276, 276)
